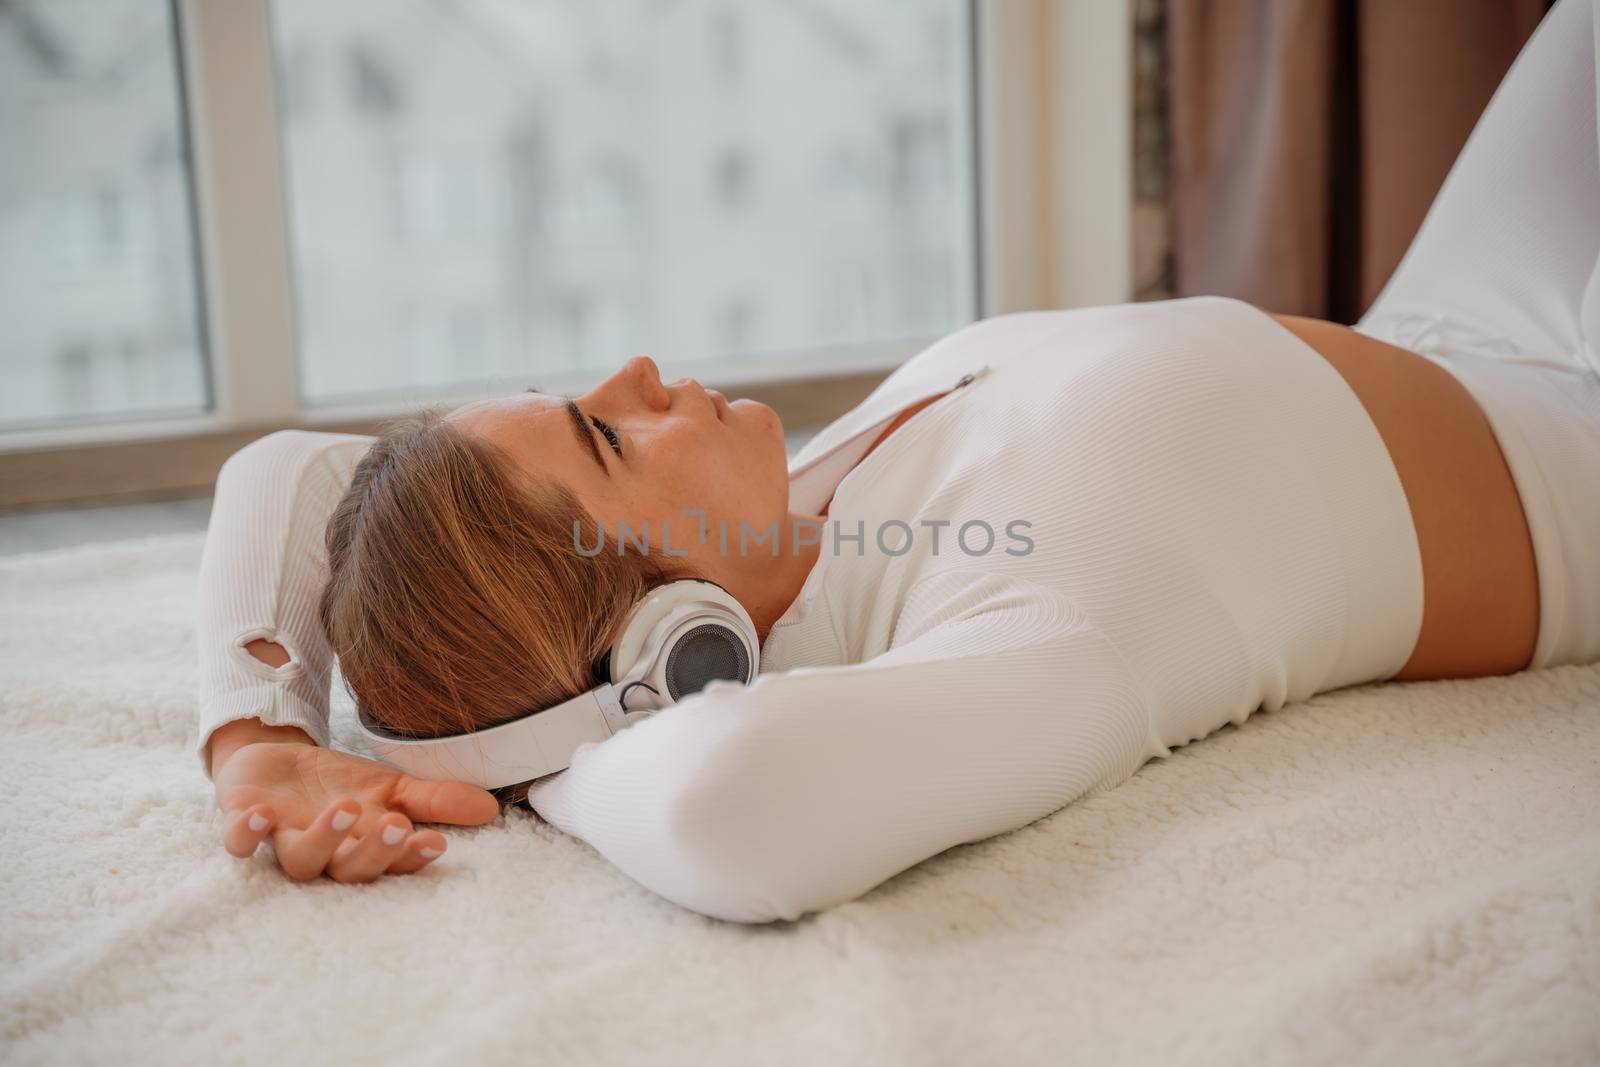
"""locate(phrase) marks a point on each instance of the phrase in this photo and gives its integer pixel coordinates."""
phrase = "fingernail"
(432, 853)
(258, 822)
(393, 834)
(344, 820)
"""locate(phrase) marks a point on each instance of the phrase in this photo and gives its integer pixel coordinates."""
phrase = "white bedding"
(1406, 873)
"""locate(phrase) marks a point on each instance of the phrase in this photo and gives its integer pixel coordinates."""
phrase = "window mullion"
(1090, 48)
(1010, 158)
(1055, 94)
(239, 178)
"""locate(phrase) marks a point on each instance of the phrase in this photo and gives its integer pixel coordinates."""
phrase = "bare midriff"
(1480, 582)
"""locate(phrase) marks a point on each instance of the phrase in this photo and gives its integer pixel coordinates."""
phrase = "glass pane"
(98, 288)
(503, 190)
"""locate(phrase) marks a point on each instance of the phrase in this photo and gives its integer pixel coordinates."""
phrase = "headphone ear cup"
(702, 652)
(678, 597)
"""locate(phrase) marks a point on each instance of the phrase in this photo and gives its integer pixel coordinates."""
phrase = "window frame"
(1052, 109)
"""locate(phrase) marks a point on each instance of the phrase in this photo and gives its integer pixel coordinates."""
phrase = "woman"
(1046, 549)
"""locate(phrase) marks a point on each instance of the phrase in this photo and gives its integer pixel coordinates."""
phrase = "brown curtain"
(1310, 136)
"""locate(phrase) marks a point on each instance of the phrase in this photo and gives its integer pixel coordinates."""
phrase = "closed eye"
(608, 433)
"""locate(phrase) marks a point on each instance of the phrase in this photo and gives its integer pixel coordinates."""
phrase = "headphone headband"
(679, 636)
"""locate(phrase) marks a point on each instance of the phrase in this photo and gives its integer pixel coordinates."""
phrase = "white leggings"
(1502, 288)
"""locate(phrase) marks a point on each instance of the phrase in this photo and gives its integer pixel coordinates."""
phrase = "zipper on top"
(960, 383)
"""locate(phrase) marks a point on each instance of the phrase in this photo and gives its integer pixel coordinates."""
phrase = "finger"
(246, 828)
(420, 849)
(425, 800)
(303, 854)
(372, 855)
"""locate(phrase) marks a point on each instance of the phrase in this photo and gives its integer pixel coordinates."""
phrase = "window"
(98, 286)
(217, 217)
(524, 188)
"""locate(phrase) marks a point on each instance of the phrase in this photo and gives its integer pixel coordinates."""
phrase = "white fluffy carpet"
(1397, 874)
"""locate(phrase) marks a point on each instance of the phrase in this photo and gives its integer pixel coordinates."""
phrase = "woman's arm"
(810, 787)
(261, 575)
(264, 670)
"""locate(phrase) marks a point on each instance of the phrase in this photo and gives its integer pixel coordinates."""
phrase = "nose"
(637, 381)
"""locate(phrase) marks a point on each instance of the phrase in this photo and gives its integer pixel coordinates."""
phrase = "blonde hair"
(456, 596)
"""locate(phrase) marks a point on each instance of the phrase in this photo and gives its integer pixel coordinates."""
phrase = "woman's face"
(678, 449)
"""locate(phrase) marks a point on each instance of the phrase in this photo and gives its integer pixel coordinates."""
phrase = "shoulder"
(295, 448)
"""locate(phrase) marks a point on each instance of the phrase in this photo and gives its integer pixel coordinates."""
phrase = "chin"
(754, 413)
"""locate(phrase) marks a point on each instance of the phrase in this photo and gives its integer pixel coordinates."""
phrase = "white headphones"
(679, 637)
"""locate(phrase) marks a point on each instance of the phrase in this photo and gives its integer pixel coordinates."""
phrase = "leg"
(1505, 260)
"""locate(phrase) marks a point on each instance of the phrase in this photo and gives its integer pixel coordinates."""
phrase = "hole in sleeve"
(261, 653)
(269, 652)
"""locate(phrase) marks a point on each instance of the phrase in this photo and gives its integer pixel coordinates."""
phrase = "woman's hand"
(329, 812)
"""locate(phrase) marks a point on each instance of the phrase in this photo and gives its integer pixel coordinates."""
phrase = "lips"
(719, 403)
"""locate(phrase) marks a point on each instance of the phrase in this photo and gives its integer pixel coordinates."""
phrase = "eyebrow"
(586, 435)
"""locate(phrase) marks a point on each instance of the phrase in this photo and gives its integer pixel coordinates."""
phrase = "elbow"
(743, 848)
(723, 811)
(729, 873)
(261, 454)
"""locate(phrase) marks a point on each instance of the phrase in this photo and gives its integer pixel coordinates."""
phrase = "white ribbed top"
(1216, 527)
